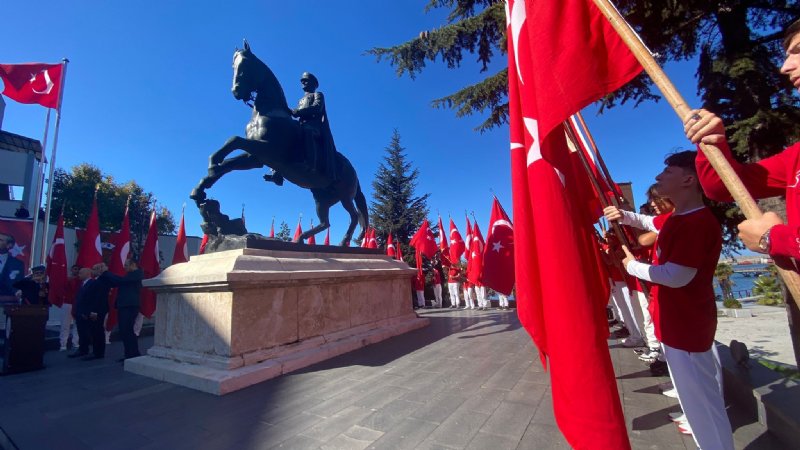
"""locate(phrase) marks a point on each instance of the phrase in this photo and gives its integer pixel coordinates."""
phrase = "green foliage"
(723, 274)
(731, 303)
(75, 189)
(737, 43)
(769, 288)
(476, 27)
(283, 233)
(395, 206)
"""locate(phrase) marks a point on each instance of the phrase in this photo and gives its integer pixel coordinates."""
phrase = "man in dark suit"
(127, 303)
(96, 309)
(82, 309)
(11, 268)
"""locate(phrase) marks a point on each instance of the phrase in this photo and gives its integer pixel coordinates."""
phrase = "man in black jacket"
(97, 309)
(82, 309)
(127, 303)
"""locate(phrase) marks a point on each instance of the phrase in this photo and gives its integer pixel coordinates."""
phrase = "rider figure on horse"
(318, 145)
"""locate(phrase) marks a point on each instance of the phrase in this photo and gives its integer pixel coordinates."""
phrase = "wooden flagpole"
(726, 173)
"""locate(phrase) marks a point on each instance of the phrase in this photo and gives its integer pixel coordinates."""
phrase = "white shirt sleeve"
(669, 274)
(638, 220)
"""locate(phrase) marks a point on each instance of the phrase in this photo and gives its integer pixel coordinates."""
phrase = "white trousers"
(454, 298)
(437, 292)
(696, 377)
(67, 324)
(469, 298)
(647, 321)
(621, 297)
(482, 301)
(503, 301)
(421, 299)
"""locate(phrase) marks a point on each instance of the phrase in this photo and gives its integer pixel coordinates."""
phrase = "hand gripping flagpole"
(723, 168)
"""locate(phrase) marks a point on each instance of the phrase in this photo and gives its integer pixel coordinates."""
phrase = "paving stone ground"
(471, 380)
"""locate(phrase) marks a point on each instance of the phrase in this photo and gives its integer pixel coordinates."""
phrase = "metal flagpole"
(38, 192)
(52, 163)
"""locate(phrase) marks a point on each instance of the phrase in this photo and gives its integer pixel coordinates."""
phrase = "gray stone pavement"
(471, 380)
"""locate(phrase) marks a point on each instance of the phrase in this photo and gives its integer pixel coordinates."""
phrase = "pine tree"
(395, 207)
(737, 44)
(283, 233)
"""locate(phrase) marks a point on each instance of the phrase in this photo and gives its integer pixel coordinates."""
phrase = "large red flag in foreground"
(91, 252)
(122, 248)
(149, 262)
(181, 253)
(32, 83)
(498, 255)
(457, 246)
(57, 266)
(562, 56)
(424, 241)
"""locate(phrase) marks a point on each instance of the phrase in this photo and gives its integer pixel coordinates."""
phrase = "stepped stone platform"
(234, 318)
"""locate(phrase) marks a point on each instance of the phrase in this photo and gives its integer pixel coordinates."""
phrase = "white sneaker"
(672, 393)
(677, 417)
(650, 355)
(632, 342)
(684, 427)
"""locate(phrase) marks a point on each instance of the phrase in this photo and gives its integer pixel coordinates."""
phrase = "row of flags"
(90, 253)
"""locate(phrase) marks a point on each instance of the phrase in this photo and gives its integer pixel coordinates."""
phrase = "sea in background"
(742, 283)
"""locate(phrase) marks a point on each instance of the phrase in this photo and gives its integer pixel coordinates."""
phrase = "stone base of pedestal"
(232, 319)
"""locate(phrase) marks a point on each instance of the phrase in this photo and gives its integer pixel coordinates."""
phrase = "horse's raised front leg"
(233, 143)
(240, 162)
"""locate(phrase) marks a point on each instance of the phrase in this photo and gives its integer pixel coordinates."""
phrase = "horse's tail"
(363, 209)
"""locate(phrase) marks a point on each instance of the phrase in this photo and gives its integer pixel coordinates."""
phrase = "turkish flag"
(373, 242)
(203, 243)
(423, 240)
(312, 240)
(442, 237)
(562, 56)
(57, 266)
(399, 252)
(33, 83)
(476, 256)
(297, 232)
(498, 255)
(150, 264)
(91, 251)
(327, 237)
(116, 265)
(181, 253)
(272, 229)
(457, 246)
(390, 251)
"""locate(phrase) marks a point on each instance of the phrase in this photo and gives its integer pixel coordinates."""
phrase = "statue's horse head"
(251, 75)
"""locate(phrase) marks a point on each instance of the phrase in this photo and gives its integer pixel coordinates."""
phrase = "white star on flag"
(497, 246)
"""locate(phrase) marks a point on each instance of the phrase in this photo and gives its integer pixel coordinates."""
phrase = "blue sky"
(147, 98)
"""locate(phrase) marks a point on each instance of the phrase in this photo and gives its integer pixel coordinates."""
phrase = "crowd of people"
(460, 290)
(85, 309)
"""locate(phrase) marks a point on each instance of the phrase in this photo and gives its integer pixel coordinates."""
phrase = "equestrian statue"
(300, 151)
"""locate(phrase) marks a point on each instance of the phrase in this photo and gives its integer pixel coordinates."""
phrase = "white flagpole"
(38, 192)
(52, 162)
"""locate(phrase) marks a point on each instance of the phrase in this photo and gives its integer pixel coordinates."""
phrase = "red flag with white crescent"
(457, 246)
(116, 265)
(57, 266)
(181, 253)
(423, 240)
(390, 250)
(33, 83)
(150, 263)
(442, 237)
(476, 256)
(298, 232)
(562, 56)
(498, 254)
(91, 251)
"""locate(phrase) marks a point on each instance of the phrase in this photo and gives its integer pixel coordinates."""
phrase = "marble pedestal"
(231, 319)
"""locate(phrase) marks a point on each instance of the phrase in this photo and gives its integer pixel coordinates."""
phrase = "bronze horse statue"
(274, 139)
